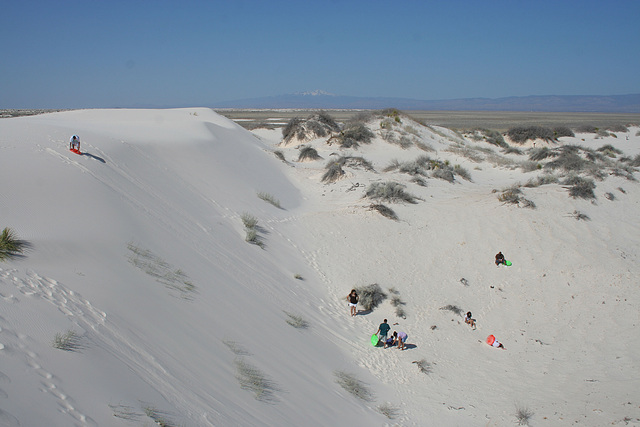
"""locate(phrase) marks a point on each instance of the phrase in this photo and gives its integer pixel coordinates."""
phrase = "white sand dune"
(138, 247)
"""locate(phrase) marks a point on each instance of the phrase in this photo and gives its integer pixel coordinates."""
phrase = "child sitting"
(469, 321)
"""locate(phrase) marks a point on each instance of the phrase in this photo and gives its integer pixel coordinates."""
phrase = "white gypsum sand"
(138, 247)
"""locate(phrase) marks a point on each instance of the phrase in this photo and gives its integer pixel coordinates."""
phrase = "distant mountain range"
(551, 103)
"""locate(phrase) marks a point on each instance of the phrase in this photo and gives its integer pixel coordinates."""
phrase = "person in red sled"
(74, 143)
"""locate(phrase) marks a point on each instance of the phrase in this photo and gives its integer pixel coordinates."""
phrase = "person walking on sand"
(353, 301)
(383, 330)
(469, 321)
(401, 339)
(74, 143)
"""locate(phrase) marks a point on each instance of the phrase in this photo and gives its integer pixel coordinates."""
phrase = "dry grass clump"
(160, 418)
(384, 210)
(269, 198)
(560, 131)
(423, 366)
(580, 187)
(579, 216)
(453, 308)
(315, 126)
(523, 416)
(541, 153)
(397, 303)
(69, 341)
(353, 385)
(335, 171)
(354, 135)
(308, 153)
(609, 150)
(296, 321)
(388, 410)
(512, 195)
(541, 180)
(371, 296)
(253, 379)
(390, 191)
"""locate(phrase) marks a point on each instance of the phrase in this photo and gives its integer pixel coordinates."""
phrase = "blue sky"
(91, 53)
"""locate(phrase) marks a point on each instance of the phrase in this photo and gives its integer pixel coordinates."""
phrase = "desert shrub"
(69, 341)
(394, 164)
(291, 128)
(523, 416)
(423, 366)
(371, 296)
(560, 131)
(253, 238)
(411, 130)
(388, 410)
(334, 172)
(609, 150)
(10, 245)
(522, 134)
(389, 191)
(160, 418)
(609, 196)
(249, 221)
(353, 385)
(298, 276)
(412, 168)
(419, 181)
(541, 180)
(493, 137)
(617, 128)
(512, 150)
(424, 146)
(354, 135)
(385, 211)
(445, 173)
(308, 153)
(462, 172)
(512, 195)
(568, 160)
(296, 321)
(269, 199)
(453, 308)
(587, 129)
(541, 153)
(315, 126)
(254, 380)
(580, 187)
(236, 348)
(636, 161)
(602, 133)
(470, 153)
(397, 303)
(357, 162)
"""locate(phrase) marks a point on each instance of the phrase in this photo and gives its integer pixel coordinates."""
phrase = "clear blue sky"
(111, 53)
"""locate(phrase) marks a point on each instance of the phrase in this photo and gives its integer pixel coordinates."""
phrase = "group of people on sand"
(399, 339)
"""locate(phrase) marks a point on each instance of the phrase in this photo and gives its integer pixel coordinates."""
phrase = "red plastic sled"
(75, 150)
(491, 339)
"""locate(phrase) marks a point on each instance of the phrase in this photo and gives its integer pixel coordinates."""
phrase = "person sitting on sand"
(383, 330)
(499, 259)
(353, 301)
(469, 321)
(401, 339)
(390, 341)
(74, 143)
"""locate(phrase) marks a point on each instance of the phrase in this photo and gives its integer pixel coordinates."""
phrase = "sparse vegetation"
(423, 365)
(335, 167)
(522, 134)
(579, 216)
(453, 308)
(315, 126)
(334, 172)
(236, 348)
(560, 131)
(353, 385)
(580, 188)
(279, 154)
(308, 153)
(160, 418)
(384, 210)
(512, 195)
(541, 180)
(174, 279)
(390, 191)
(249, 220)
(354, 135)
(388, 410)
(269, 199)
(253, 379)
(371, 296)
(69, 341)
(397, 303)
(10, 245)
(523, 416)
(296, 321)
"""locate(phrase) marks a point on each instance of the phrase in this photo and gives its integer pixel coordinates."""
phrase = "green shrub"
(250, 222)
(560, 131)
(69, 341)
(580, 187)
(355, 135)
(522, 134)
(384, 211)
(269, 199)
(308, 153)
(253, 379)
(10, 245)
(296, 321)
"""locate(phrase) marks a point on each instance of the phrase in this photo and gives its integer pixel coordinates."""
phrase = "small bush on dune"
(453, 308)
(617, 128)
(586, 129)
(296, 321)
(389, 191)
(334, 172)
(523, 416)
(69, 341)
(580, 187)
(10, 245)
(462, 172)
(522, 134)
(560, 131)
(279, 154)
(388, 410)
(269, 199)
(542, 180)
(444, 173)
(315, 126)
(512, 150)
(423, 366)
(354, 135)
(353, 385)
(371, 296)
(254, 380)
(537, 154)
(160, 418)
(249, 220)
(568, 160)
(609, 150)
(308, 153)
(579, 216)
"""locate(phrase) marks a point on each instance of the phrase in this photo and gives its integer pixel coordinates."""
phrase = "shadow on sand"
(100, 159)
